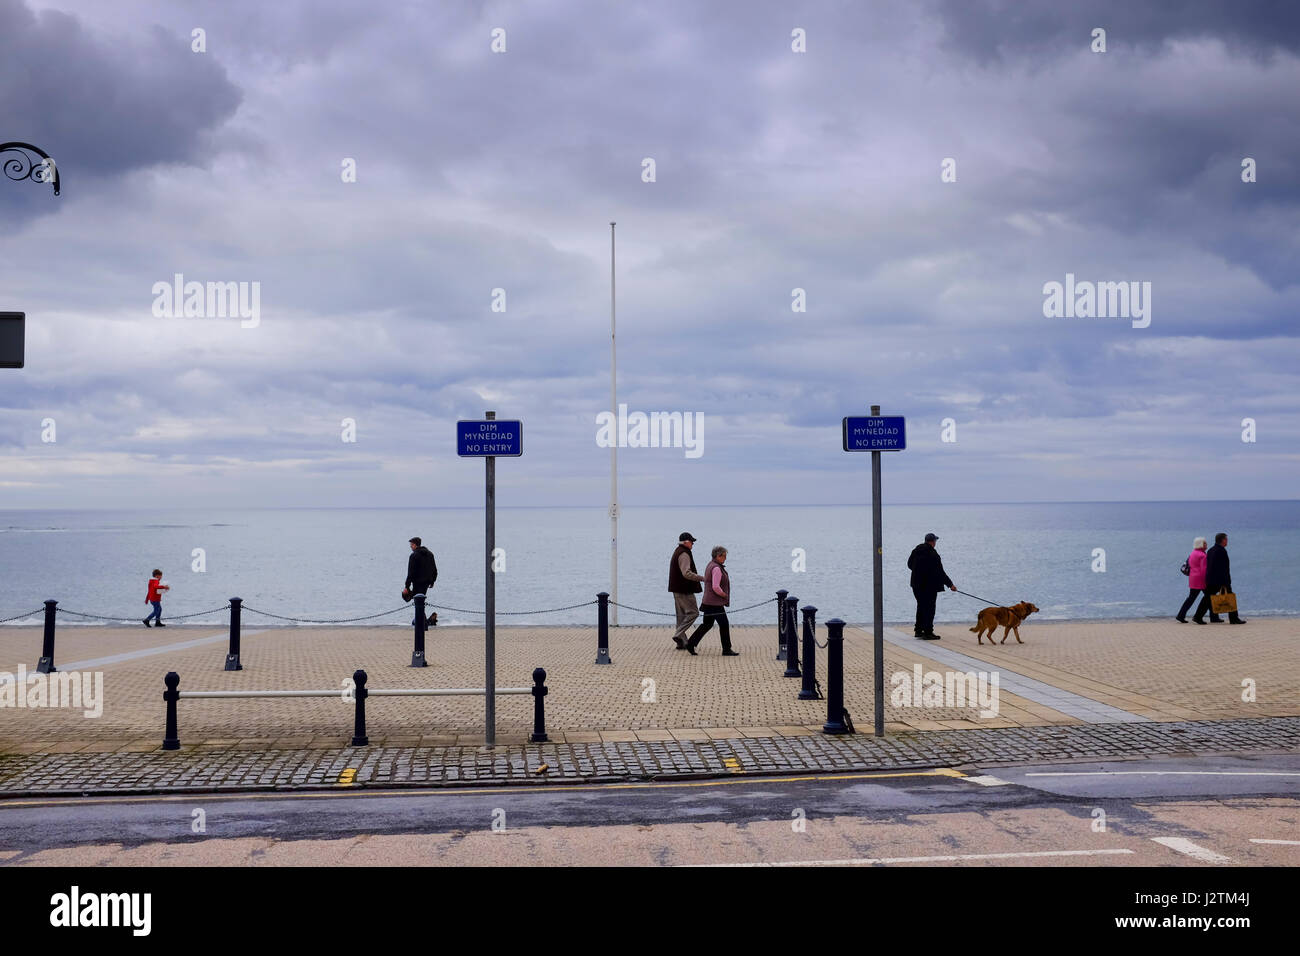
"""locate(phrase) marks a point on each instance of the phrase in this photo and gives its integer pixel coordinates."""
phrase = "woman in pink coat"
(1195, 577)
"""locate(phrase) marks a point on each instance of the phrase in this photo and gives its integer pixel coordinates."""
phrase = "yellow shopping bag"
(1225, 602)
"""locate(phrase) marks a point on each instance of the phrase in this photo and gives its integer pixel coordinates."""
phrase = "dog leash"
(978, 598)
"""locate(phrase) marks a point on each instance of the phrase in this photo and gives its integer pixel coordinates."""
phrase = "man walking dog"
(684, 583)
(928, 579)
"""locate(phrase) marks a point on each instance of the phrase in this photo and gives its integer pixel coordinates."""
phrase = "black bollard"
(232, 657)
(417, 655)
(791, 639)
(539, 707)
(809, 689)
(834, 678)
(46, 664)
(359, 738)
(780, 624)
(171, 695)
(602, 629)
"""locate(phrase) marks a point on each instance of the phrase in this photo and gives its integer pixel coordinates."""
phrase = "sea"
(1077, 560)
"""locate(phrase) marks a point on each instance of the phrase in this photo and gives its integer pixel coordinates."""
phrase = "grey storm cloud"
(994, 29)
(105, 105)
(776, 171)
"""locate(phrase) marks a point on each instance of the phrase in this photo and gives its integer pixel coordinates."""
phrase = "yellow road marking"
(347, 777)
(479, 791)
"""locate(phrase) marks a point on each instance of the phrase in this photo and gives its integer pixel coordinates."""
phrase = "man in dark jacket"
(928, 579)
(684, 583)
(1218, 575)
(421, 573)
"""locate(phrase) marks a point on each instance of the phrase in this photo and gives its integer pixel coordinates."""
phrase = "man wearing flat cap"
(684, 583)
(928, 579)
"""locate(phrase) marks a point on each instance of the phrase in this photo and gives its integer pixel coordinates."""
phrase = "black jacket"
(927, 569)
(421, 569)
(1217, 573)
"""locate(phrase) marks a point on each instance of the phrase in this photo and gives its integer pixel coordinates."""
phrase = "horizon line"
(847, 504)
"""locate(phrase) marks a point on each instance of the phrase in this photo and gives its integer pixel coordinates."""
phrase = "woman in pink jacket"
(1195, 577)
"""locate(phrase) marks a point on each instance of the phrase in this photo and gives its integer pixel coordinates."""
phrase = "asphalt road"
(1190, 811)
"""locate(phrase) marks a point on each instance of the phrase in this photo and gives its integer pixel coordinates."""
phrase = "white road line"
(984, 780)
(1278, 842)
(1169, 773)
(1194, 850)
(926, 859)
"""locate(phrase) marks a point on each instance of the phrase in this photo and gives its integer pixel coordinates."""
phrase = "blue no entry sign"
(480, 439)
(883, 433)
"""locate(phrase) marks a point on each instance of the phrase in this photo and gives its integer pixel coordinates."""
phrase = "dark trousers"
(1205, 606)
(156, 613)
(1192, 595)
(925, 600)
(421, 589)
(711, 613)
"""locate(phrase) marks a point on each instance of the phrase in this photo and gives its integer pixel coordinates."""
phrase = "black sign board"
(11, 339)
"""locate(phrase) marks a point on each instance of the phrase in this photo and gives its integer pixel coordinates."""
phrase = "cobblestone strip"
(247, 770)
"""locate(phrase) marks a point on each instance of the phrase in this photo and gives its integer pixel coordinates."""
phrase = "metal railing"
(357, 692)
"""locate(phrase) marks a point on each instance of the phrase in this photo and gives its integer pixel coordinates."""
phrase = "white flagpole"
(613, 446)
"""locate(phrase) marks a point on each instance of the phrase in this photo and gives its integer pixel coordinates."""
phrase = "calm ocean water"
(348, 563)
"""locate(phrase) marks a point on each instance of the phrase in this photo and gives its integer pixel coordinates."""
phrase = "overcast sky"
(775, 170)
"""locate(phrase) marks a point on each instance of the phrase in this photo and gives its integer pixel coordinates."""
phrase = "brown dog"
(1008, 618)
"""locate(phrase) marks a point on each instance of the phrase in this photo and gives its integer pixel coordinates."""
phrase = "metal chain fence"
(730, 610)
(18, 616)
(129, 618)
(369, 617)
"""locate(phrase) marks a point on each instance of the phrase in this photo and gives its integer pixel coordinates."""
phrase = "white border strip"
(1188, 848)
(1168, 773)
(931, 859)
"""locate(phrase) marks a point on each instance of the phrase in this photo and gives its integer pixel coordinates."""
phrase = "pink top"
(1196, 562)
(717, 578)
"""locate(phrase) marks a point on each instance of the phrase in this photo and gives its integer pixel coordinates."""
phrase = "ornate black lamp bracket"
(24, 161)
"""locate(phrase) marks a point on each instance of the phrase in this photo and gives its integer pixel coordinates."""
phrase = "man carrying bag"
(1219, 597)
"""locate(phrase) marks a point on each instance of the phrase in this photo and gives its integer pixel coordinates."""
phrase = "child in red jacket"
(154, 597)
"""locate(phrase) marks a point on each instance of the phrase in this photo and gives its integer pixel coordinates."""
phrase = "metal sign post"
(876, 434)
(487, 439)
(613, 446)
(490, 598)
(877, 590)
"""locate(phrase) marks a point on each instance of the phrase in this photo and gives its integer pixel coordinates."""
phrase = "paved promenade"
(1064, 673)
(655, 710)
